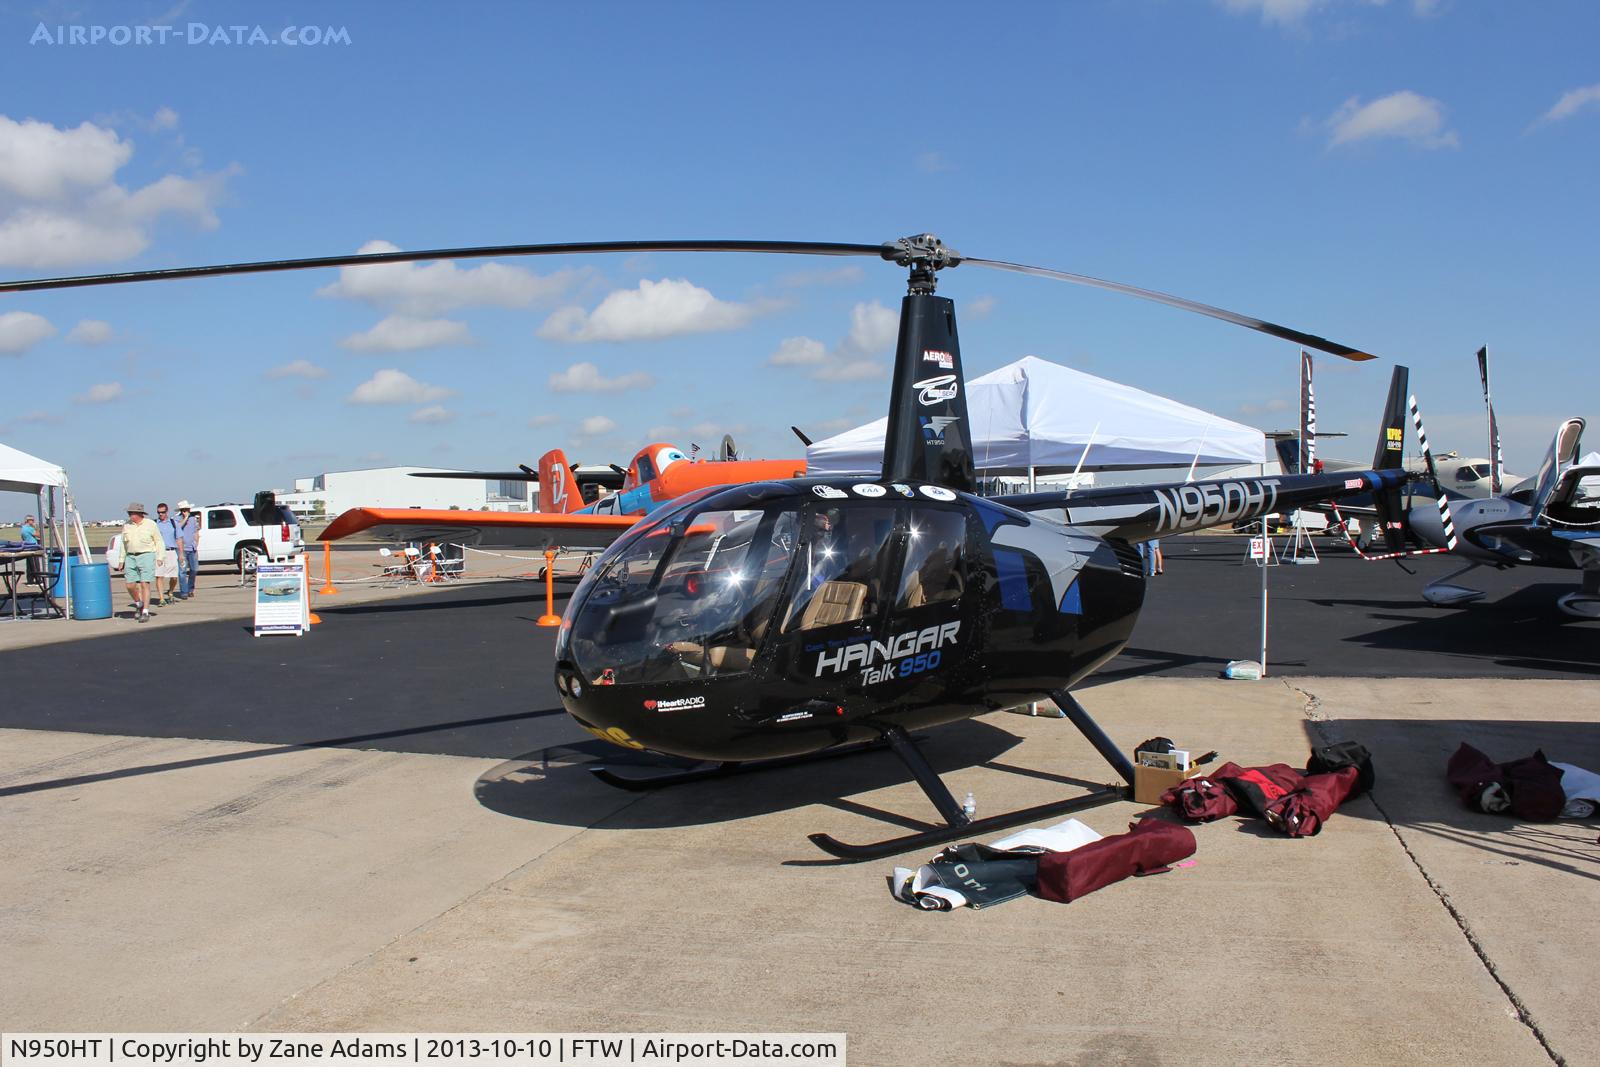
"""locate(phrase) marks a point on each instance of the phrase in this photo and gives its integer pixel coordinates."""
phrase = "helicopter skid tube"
(957, 824)
(730, 767)
(856, 853)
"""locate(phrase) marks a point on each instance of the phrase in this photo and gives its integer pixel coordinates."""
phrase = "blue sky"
(1413, 178)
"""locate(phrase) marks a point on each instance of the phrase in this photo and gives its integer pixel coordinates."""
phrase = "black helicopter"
(762, 624)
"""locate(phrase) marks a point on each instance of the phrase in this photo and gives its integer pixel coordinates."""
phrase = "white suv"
(226, 530)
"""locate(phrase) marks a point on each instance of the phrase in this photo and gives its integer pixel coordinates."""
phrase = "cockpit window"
(692, 598)
(841, 560)
(932, 572)
(1468, 474)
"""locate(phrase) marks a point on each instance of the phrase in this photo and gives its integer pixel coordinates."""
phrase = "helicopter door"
(840, 584)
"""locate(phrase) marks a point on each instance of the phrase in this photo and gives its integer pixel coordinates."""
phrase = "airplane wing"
(483, 529)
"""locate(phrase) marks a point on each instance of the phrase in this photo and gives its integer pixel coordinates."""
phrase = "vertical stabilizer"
(1390, 455)
(558, 489)
(929, 439)
(1497, 461)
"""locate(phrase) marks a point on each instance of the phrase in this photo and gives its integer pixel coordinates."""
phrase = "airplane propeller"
(923, 253)
(1433, 476)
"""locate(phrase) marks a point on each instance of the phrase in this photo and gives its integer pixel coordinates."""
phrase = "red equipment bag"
(1151, 845)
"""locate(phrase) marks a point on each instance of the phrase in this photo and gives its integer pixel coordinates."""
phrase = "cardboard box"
(1150, 782)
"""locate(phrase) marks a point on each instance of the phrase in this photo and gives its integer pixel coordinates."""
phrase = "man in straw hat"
(142, 549)
(188, 549)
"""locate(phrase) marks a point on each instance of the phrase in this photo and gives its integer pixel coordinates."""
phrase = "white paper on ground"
(1062, 837)
(1582, 789)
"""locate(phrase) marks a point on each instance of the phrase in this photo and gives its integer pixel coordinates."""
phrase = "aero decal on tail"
(558, 489)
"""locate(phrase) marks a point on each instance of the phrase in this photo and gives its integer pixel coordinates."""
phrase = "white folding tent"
(1036, 417)
(22, 473)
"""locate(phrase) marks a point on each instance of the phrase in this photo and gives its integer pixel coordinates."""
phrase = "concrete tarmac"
(387, 825)
(177, 884)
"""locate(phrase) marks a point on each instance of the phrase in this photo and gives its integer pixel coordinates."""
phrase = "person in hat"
(188, 549)
(30, 532)
(142, 549)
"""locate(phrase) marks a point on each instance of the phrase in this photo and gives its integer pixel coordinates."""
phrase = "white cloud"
(103, 393)
(670, 307)
(401, 333)
(423, 289)
(799, 352)
(851, 371)
(300, 368)
(392, 386)
(40, 162)
(1290, 14)
(64, 205)
(21, 330)
(164, 119)
(586, 378)
(934, 163)
(431, 415)
(873, 328)
(661, 433)
(1571, 102)
(595, 425)
(873, 331)
(979, 307)
(1276, 404)
(1404, 115)
(90, 332)
(546, 419)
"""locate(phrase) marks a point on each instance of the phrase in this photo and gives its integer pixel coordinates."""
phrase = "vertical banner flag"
(1308, 417)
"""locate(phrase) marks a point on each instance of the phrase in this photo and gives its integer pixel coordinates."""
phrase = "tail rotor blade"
(1321, 344)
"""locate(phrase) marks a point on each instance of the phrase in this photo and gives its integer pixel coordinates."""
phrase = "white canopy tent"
(1036, 417)
(22, 473)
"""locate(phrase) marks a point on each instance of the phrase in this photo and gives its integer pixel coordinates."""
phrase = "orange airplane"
(658, 474)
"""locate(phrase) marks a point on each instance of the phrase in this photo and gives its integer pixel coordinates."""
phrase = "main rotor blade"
(1322, 344)
(803, 248)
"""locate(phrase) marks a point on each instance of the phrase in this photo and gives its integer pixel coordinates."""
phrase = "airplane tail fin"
(1497, 461)
(558, 489)
(1390, 455)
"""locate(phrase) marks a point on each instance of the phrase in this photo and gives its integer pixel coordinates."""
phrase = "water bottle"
(969, 806)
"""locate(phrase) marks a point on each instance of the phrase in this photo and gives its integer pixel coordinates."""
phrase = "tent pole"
(1082, 458)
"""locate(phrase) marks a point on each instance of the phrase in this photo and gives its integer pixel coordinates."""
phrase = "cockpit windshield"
(691, 598)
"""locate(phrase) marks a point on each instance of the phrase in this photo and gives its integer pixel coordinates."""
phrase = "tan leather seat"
(911, 594)
(834, 603)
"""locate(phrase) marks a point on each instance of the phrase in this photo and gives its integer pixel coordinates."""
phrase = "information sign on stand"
(283, 603)
(1263, 552)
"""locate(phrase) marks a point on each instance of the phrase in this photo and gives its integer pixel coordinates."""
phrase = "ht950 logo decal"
(1188, 506)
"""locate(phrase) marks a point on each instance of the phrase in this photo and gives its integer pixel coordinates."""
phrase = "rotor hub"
(925, 254)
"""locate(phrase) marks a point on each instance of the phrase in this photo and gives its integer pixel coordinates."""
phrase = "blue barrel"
(91, 591)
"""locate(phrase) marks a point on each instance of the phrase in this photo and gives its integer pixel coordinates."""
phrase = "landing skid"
(729, 768)
(957, 825)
